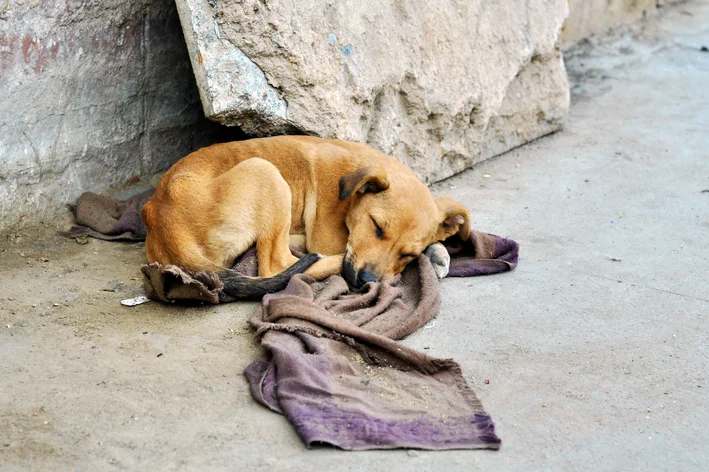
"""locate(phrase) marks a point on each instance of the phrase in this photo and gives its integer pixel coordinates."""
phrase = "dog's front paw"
(440, 259)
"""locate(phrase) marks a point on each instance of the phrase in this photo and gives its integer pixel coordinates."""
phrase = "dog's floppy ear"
(456, 220)
(365, 180)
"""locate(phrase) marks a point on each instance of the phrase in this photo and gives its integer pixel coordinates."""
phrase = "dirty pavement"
(592, 353)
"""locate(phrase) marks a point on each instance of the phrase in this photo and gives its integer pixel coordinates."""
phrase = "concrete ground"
(595, 348)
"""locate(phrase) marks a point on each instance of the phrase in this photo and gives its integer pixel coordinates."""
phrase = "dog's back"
(208, 209)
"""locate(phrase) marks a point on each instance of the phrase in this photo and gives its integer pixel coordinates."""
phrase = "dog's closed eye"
(407, 256)
(378, 229)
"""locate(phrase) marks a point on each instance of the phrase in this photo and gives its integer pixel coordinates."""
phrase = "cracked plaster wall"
(92, 94)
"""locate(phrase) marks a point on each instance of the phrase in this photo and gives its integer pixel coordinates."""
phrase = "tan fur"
(218, 201)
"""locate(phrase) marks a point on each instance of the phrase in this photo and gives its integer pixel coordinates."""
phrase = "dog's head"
(392, 219)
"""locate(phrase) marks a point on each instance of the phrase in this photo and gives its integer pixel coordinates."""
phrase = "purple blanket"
(335, 369)
(103, 217)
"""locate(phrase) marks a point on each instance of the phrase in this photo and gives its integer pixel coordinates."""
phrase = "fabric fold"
(349, 385)
(103, 217)
(334, 367)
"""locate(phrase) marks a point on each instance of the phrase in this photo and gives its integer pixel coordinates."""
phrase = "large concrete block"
(91, 94)
(439, 85)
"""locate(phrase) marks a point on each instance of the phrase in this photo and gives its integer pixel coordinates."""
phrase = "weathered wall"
(95, 92)
(92, 93)
(594, 16)
(438, 85)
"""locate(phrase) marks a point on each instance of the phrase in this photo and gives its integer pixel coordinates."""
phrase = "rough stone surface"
(438, 85)
(91, 95)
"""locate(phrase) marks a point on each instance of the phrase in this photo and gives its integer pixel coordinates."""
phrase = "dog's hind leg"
(322, 269)
(272, 245)
(325, 267)
(255, 206)
(297, 242)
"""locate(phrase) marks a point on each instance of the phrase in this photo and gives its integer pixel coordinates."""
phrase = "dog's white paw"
(440, 259)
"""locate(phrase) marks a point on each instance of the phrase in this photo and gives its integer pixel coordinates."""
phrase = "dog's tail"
(242, 286)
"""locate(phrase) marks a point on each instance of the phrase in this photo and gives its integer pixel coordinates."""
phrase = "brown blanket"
(335, 369)
(340, 377)
(103, 217)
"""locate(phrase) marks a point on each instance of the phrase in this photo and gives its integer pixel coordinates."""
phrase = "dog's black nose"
(364, 276)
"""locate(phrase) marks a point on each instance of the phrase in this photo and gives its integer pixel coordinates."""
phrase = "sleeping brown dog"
(365, 212)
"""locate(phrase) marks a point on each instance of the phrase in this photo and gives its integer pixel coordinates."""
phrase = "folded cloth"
(482, 254)
(103, 217)
(335, 369)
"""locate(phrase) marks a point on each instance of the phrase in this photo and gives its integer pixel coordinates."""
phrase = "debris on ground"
(135, 301)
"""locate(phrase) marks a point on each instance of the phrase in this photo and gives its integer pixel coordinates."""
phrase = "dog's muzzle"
(356, 278)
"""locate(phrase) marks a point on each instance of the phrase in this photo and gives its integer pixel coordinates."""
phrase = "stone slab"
(438, 85)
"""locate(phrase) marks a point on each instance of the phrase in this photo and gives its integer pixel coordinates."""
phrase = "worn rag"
(335, 368)
(103, 217)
